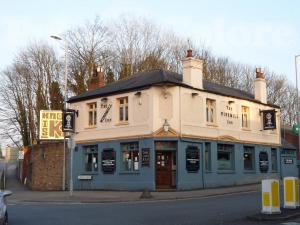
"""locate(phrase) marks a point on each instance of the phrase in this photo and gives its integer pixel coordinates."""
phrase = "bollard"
(270, 197)
(291, 192)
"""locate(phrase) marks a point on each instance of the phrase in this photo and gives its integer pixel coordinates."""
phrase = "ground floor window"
(225, 157)
(274, 159)
(130, 153)
(249, 158)
(91, 158)
(207, 156)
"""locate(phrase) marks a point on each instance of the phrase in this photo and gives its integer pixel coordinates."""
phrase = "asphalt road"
(224, 210)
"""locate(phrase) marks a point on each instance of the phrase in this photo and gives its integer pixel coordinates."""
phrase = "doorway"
(165, 165)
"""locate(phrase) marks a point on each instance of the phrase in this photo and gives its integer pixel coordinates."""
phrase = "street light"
(66, 67)
(65, 103)
(298, 116)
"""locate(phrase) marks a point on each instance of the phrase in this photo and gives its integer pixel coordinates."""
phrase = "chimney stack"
(97, 79)
(260, 86)
(192, 70)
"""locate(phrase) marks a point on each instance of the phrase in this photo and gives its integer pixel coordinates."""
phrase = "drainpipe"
(180, 113)
(180, 133)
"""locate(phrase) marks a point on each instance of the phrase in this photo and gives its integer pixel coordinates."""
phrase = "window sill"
(246, 129)
(89, 173)
(129, 172)
(250, 171)
(90, 127)
(226, 171)
(211, 125)
(121, 123)
(208, 171)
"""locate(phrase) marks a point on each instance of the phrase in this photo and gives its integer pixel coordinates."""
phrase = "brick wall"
(292, 138)
(45, 169)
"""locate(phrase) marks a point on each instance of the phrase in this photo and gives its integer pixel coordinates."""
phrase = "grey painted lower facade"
(220, 164)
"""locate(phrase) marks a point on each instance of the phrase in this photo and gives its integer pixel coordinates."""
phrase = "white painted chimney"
(192, 71)
(260, 86)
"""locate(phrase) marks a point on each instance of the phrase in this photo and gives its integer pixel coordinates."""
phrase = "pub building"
(164, 130)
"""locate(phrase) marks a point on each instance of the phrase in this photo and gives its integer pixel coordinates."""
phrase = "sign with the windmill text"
(269, 119)
(105, 112)
(51, 125)
(69, 121)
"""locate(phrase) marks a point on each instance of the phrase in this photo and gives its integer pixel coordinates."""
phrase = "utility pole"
(65, 105)
(298, 113)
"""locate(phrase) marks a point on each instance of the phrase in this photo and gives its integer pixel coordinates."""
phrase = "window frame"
(87, 151)
(249, 150)
(247, 114)
(94, 114)
(136, 149)
(274, 169)
(125, 108)
(207, 160)
(231, 153)
(211, 107)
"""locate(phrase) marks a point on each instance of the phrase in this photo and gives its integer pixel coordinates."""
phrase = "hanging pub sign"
(69, 121)
(192, 159)
(108, 161)
(269, 119)
(145, 157)
(263, 162)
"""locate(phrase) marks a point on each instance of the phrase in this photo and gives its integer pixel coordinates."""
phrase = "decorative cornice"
(174, 134)
(161, 133)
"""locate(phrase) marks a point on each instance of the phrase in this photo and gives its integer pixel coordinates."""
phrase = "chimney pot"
(189, 53)
(260, 88)
(259, 73)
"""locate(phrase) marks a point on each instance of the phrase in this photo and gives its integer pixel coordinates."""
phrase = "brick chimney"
(97, 79)
(260, 86)
(192, 70)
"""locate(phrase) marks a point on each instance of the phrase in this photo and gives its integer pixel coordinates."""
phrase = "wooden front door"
(164, 169)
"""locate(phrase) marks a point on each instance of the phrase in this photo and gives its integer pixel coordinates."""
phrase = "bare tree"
(31, 84)
(87, 47)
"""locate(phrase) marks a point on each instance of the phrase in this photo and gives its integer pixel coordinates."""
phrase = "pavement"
(23, 194)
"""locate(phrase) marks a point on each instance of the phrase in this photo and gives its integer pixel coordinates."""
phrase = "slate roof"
(145, 80)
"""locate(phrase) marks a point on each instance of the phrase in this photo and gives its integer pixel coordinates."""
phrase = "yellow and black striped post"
(270, 196)
(291, 192)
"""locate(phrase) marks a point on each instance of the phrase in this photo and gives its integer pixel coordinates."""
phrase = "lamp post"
(298, 114)
(65, 105)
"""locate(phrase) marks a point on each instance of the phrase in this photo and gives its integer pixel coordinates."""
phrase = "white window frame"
(211, 112)
(125, 110)
(245, 117)
(92, 112)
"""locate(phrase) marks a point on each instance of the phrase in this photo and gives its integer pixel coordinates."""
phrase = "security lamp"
(138, 94)
(230, 102)
(104, 99)
(194, 94)
(166, 126)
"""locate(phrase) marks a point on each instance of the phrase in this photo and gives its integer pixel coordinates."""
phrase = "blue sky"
(261, 33)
